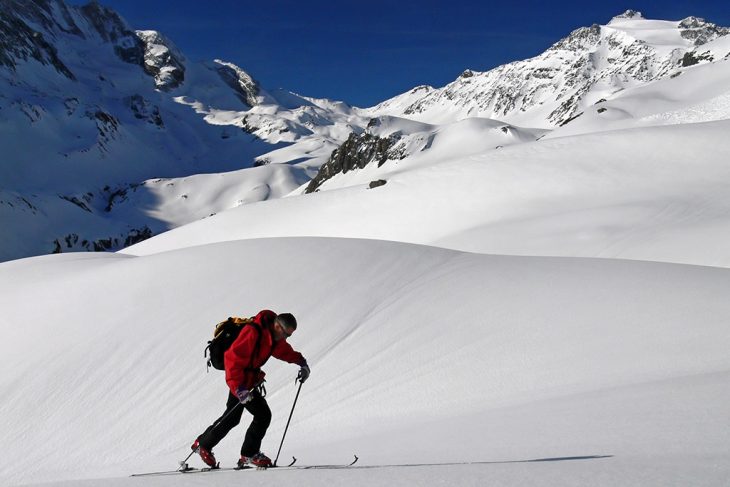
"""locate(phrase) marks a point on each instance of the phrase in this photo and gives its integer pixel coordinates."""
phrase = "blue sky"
(366, 52)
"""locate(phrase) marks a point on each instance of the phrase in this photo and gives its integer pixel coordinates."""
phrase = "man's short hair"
(287, 320)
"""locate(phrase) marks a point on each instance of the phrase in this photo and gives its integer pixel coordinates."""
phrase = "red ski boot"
(259, 460)
(205, 454)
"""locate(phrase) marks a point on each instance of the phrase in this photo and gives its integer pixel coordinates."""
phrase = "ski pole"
(184, 463)
(288, 421)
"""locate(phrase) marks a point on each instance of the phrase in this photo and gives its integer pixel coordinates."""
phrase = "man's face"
(281, 332)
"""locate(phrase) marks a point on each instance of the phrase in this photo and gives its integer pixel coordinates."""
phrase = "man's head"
(284, 326)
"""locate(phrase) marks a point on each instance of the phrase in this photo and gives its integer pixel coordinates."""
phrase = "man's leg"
(257, 429)
(220, 428)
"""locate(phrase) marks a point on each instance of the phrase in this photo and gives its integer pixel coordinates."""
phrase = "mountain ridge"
(617, 55)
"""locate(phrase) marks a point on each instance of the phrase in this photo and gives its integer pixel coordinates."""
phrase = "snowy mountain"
(114, 136)
(621, 75)
(591, 64)
(93, 110)
(693, 94)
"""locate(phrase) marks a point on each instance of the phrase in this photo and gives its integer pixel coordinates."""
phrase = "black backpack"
(224, 335)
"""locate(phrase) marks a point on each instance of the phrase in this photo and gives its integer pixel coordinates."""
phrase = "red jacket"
(242, 367)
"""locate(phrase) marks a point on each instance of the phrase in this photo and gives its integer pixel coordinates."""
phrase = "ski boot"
(205, 454)
(259, 461)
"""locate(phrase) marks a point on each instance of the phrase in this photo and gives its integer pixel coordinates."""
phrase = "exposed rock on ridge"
(358, 151)
(242, 83)
(162, 60)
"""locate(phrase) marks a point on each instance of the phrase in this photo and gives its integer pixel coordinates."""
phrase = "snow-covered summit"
(548, 90)
(628, 14)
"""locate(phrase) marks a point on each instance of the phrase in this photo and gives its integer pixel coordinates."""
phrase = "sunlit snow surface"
(654, 193)
(418, 354)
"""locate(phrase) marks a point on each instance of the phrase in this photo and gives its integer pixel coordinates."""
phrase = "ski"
(322, 467)
(190, 470)
(184, 470)
(193, 470)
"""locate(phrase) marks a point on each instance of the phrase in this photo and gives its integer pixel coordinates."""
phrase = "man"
(264, 337)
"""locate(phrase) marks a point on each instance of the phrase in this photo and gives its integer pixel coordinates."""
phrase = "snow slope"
(654, 193)
(418, 354)
(111, 218)
(436, 143)
(696, 94)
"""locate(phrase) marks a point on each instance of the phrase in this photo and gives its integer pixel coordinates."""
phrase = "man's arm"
(283, 351)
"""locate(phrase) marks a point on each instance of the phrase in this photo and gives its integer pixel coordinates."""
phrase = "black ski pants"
(257, 406)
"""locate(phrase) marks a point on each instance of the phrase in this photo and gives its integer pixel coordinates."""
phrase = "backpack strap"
(257, 347)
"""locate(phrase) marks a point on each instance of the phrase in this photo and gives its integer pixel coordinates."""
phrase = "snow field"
(418, 355)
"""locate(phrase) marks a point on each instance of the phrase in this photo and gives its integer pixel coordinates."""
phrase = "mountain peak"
(108, 24)
(629, 14)
(700, 31)
(162, 60)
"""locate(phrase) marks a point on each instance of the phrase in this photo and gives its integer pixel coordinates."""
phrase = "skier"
(263, 338)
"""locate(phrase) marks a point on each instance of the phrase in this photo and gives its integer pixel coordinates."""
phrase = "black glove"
(303, 373)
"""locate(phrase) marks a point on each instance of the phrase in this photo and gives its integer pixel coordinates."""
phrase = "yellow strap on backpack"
(232, 319)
